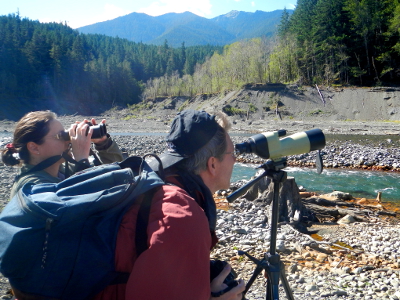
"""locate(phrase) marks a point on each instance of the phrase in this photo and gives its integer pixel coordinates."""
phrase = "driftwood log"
(291, 207)
(294, 210)
(320, 94)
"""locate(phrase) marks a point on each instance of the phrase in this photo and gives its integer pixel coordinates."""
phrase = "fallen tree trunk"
(291, 207)
(320, 94)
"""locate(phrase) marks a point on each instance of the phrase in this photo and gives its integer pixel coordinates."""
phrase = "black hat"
(190, 131)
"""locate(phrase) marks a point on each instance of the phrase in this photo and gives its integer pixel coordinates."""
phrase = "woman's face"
(52, 145)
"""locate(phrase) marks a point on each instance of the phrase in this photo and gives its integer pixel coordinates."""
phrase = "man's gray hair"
(216, 147)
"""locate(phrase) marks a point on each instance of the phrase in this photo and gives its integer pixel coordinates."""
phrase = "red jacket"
(176, 264)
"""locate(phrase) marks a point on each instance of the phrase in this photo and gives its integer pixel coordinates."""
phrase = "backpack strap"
(45, 164)
(159, 169)
(52, 160)
(40, 166)
(79, 165)
(140, 234)
(142, 222)
(121, 278)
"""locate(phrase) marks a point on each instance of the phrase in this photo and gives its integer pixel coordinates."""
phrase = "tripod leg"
(273, 272)
(285, 283)
(268, 292)
(272, 292)
(275, 291)
(256, 272)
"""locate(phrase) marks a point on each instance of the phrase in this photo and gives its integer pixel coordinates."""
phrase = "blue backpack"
(57, 240)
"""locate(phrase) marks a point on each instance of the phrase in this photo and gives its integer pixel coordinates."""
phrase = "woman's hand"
(103, 138)
(80, 141)
(218, 285)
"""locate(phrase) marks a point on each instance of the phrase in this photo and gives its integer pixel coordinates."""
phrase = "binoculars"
(99, 131)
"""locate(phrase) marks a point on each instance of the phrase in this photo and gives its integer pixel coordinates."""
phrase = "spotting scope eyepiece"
(268, 145)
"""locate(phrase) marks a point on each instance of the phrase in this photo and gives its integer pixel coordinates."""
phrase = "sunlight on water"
(358, 183)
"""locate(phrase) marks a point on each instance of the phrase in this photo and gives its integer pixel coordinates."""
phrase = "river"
(360, 184)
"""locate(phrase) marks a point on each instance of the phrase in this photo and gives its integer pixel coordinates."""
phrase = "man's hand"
(218, 285)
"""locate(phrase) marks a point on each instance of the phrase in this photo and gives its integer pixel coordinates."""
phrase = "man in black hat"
(182, 220)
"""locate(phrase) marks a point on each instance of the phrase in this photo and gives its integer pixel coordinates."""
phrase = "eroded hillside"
(290, 102)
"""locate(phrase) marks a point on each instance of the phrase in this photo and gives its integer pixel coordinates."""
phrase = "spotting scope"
(270, 145)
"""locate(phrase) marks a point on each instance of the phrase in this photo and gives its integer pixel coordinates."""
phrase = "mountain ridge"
(189, 28)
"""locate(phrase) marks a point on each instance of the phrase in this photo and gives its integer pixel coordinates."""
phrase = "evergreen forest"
(51, 66)
(325, 42)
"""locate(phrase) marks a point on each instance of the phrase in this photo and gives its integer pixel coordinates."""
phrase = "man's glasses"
(234, 153)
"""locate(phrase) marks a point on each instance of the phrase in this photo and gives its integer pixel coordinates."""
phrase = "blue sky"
(78, 13)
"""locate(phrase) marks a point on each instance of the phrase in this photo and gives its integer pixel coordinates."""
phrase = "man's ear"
(212, 165)
(33, 147)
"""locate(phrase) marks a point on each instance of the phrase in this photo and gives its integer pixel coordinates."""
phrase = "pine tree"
(283, 27)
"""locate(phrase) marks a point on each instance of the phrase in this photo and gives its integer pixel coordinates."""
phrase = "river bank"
(369, 269)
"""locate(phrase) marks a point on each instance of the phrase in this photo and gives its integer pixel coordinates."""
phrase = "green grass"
(130, 117)
(141, 106)
(252, 108)
(184, 105)
(315, 112)
(391, 121)
(231, 111)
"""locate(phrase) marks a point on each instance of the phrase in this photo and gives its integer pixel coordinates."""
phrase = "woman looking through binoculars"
(41, 145)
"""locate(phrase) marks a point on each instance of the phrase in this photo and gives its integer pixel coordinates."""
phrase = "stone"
(321, 257)
(310, 288)
(341, 195)
(348, 219)
(292, 268)
(339, 293)
(239, 230)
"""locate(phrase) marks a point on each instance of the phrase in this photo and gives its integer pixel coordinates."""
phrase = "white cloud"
(199, 7)
(253, 4)
(111, 11)
(291, 6)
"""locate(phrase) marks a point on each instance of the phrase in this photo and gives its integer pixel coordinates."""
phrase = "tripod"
(271, 262)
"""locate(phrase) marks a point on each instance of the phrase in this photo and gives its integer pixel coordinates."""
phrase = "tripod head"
(271, 168)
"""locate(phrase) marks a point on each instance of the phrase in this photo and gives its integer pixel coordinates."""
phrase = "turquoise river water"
(358, 183)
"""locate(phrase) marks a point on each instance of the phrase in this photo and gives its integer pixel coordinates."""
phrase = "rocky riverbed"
(347, 261)
(352, 260)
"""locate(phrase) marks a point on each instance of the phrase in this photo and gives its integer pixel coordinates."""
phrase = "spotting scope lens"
(269, 145)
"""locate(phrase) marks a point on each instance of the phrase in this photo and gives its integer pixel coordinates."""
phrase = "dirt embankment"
(275, 106)
(270, 107)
